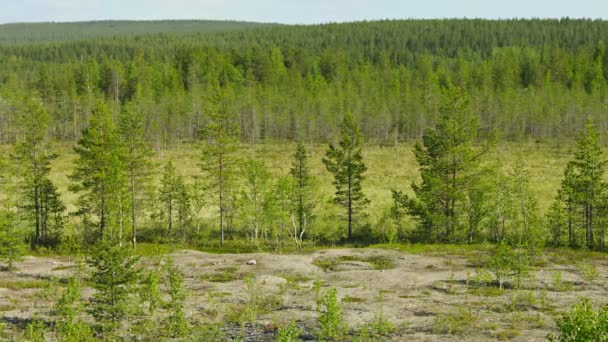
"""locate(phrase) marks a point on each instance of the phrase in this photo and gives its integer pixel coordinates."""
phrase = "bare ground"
(426, 297)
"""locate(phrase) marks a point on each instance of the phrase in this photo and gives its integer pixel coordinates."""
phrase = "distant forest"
(528, 79)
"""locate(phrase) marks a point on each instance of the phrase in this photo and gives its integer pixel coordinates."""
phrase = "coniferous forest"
(143, 158)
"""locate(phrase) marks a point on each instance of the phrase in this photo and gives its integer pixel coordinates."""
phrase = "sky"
(294, 11)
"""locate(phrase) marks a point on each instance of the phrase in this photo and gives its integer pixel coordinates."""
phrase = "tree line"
(465, 194)
(528, 79)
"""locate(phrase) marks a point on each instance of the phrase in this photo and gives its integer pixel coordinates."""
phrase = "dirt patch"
(428, 298)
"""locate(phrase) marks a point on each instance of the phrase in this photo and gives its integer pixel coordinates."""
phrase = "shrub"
(289, 332)
(330, 316)
(582, 323)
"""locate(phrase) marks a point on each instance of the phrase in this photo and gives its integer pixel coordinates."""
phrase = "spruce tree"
(33, 154)
(220, 141)
(114, 275)
(583, 194)
(589, 187)
(99, 175)
(345, 162)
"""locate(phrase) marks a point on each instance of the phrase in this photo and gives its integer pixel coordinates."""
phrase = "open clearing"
(429, 296)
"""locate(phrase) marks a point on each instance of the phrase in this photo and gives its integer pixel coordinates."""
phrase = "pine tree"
(99, 175)
(33, 155)
(114, 275)
(137, 155)
(581, 207)
(589, 185)
(303, 192)
(345, 162)
(217, 157)
(448, 159)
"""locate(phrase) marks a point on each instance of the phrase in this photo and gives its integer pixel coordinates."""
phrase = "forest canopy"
(528, 79)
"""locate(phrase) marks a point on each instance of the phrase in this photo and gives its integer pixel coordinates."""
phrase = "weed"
(330, 316)
(457, 322)
(559, 284)
(288, 332)
(588, 271)
(378, 262)
(349, 299)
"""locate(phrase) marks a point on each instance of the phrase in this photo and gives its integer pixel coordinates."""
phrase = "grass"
(545, 162)
(457, 322)
(223, 275)
(20, 284)
(351, 299)
(377, 262)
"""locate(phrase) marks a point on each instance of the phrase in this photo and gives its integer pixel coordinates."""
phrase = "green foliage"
(303, 199)
(173, 201)
(33, 154)
(507, 263)
(218, 163)
(449, 163)
(68, 324)
(288, 332)
(12, 247)
(150, 291)
(137, 153)
(114, 275)
(582, 323)
(256, 198)
(345, 162)
(331, 321)
(580, 210)
(177, 324)
(99, 176)
(588, 271)
(456, 322)
(36, 330)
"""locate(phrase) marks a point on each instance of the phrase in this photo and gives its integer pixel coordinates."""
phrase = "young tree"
(12, 247)
(217, 157)
(589, 186)
(33, 154)
(137, 155)
(99, 175)
(582, 199)
(256, 196)
(70, 327)
(173, 198)
(345, 162)
(448, 159)
(303, 192)
(177, 325)
(113, 275)
(528, 232)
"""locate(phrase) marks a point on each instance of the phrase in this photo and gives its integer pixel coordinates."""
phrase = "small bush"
(455, 323)
(330, 316)
(288, 332)
(588, 272)
(582, 323)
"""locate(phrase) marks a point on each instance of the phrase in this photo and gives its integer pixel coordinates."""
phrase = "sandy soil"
(423, 295)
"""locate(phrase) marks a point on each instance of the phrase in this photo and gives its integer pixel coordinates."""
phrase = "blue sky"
(294, 11)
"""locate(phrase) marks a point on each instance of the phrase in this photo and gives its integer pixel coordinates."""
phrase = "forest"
(127, 147)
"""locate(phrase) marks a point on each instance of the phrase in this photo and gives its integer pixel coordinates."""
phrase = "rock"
(251, 262)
